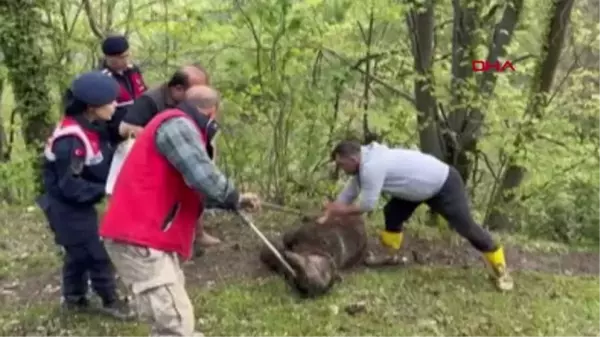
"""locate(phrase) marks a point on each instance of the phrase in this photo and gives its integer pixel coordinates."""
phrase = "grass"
(412, 301)
(26, 243)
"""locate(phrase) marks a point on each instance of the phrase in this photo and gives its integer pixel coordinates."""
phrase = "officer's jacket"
(131, 84)
(77, 159)
(131, 87)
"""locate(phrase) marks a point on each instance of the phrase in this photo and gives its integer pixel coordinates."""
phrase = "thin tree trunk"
(28, 73)
(542, 82)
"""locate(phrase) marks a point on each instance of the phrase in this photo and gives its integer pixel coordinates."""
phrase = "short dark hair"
(345, 148)
(179, 78)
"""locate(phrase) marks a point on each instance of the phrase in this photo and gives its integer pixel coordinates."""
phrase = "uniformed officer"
(117, 64)
(77, 158)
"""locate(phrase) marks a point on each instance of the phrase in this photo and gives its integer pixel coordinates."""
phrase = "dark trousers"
(88, 261)
(452, 203)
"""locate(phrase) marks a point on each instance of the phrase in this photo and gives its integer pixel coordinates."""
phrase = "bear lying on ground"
(317, 252)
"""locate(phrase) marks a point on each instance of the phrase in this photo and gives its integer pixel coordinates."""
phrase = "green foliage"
(292, 75)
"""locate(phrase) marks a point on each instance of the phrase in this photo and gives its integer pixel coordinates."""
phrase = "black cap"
(94, 88)
(115, 45)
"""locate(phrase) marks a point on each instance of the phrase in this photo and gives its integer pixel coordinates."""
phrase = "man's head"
(116, 52)
(346, 155)
(186, 77)
(204, 98)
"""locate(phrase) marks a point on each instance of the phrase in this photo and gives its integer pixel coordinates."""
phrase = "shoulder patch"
(79, 152)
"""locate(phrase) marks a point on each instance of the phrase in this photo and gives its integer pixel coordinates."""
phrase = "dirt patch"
(237, 257)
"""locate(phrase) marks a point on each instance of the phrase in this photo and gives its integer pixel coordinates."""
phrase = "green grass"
(26, 243)
(412, 301)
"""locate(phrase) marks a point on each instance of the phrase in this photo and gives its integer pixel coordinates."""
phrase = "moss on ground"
(412, 301)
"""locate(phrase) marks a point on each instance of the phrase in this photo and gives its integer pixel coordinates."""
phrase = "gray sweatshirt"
(405, 174)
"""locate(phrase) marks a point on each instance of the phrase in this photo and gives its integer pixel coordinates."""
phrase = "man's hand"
(336, 208)
(250, 202)
(127, 130)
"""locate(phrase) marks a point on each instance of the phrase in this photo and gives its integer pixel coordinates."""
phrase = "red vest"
(134, 76)
(91, 141)
(151, 204)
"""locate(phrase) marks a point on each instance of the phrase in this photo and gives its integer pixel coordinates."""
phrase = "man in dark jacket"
(162, 97)
(166, 96)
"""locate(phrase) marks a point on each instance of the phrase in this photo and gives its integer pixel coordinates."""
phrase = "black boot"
(117, 308)
(76, 304)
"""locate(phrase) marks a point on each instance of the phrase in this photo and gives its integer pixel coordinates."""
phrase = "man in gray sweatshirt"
(411, 178)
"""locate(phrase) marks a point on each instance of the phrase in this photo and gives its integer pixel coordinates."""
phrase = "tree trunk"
(453, 139)
(27, 71)
(469, 100)
(421, 22)
(3, 135)
(513, 176)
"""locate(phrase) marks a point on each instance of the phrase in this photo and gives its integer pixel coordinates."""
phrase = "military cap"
(94, 88)
(115, 45)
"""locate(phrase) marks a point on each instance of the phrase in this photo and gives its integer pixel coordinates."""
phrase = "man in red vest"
(163, 187)
(116, 63)
(164, 97)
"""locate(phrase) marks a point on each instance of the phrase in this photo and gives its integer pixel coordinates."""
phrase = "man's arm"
(371, 178)
(350, 191)
(180, 142)
(138, 115)
(343, 201)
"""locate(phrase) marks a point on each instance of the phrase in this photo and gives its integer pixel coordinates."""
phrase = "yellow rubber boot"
(392, 241)
(496, 261)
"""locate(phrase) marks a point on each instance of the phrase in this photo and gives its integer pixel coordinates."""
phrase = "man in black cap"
(131, 82)
(77, 158)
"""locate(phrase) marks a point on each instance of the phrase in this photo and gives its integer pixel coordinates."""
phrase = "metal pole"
(274, 250)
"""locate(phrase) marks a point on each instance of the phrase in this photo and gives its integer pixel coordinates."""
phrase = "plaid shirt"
(178, 140)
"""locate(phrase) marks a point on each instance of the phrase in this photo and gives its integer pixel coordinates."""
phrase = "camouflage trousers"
(157, 283)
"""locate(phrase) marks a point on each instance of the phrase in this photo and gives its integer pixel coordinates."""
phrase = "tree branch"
(373, 78)
(87, 7)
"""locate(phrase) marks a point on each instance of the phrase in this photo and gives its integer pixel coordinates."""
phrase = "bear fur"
(317, 252)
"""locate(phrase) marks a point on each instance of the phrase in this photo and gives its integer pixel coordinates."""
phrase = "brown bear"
(317, 252)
